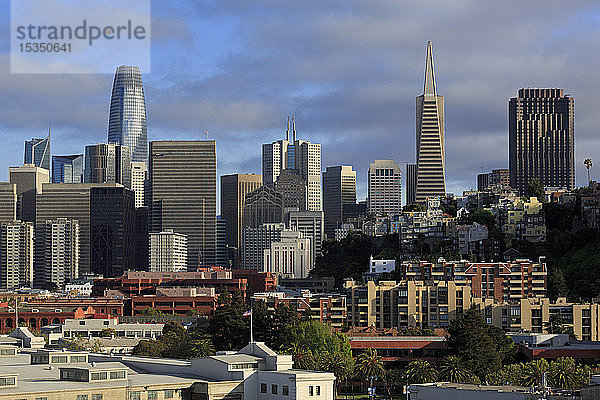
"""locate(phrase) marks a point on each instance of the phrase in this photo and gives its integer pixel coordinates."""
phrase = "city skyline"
(338, 104)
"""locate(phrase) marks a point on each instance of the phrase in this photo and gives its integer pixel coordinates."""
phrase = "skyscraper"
(16, 254)
(339, 188)
(293, 188)
(108, 163)
(67, 169)
(37, 152)
(168, 251)
(541, 138)
(308, 163)
(234, 189)
(8, 201)
(411, 183)
(62, 251)
(385, 187)
(183, 187)
(127, 124)
(431, 164)
(263, 205)
(139, 183)
(28, 180)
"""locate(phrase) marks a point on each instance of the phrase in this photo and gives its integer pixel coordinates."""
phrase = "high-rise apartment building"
(183, 188)
(127, 123)
(8, 201)
(541, 138)
(139, 183)
(234, 189)
(61, 251)
(16, 254)
(67, 169)
(168, 251)
(385, 187)
(339, 188)
(295, 154)
(431, 153)
(28, 180)
(411, 183)
(108, 163)
(37, 152)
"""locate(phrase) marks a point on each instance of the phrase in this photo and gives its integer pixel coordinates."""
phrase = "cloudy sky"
(349, 70)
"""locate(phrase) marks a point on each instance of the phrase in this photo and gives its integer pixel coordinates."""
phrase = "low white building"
(290, 257)
(377, 267)
(168, 251)
(93, 328)
(460, 391)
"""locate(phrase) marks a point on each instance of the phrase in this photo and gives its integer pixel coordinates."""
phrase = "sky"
(348, 70)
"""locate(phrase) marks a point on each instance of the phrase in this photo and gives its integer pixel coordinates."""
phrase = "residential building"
(314, 284)
(16, 254)
(385, 188)
(411, 183)
(310, 223)
(139, 183)
(28, 180)
(468, 235)
(67, 169)
(256, 240)
(107, 163)
(168, 251)
(8, 201)
(290, 256)
(293, 188)
(127, 123)
(590, 205)
(431, 151)
(522, 220)
(183, 187)
(234, 189)
(62, 251)
(326, 308)
(541, 130)
(263, 205)
(37, 152)
(339, 189)
(377, 267)
(419, 227)
(258, 281)
(498, 177)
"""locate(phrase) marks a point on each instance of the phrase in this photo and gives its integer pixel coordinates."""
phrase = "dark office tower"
(67, 169)
(234, 189)
(264, 205)
(37, 152)
(108, 163)
(293, 189)
(8, 201)
(483, 181)
(221, 246)
(541, 138)
(411, 183)
(183, 187)
(73, 202)
(127, 123)
(431, 176)
(339, 188)
(141, 239)
(28, 180)
(112, 231)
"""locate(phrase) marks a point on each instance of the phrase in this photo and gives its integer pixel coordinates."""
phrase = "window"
(318, 390)
(82, 397)
(263, 388)
(99, 376)
(152, 394)
(274, 389)
(41, 398)
(311, 390)
(168, 393)
(135, 396)
(117, 375)
(9, 381)
(81, 322)
(97, 396)
(285, 390)
(78, 359)
(59, 359)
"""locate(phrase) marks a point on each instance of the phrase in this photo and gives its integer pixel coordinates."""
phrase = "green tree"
(338, 364)
(588, 164)
(420, 371)
(149, 348)
(228, 327)
(533, 372)
(453, 369)
(556, 325)
(108, 332)
(563, 373)
(536, 189)
(151, 311)
(370, 365)
(482, 217)
(413, 207)
(302, 357)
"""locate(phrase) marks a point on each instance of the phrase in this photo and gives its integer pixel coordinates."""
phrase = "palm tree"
(303, 358)
(339, 365)
(588, 164)
(420, 371)
(533, 372)
(201, 348)
(369, 364)
(453, 370)
(563, 373)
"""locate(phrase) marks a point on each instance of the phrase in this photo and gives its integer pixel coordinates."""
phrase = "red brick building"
(37, 317)
(111, 307)
(257, 281)
(177, 301)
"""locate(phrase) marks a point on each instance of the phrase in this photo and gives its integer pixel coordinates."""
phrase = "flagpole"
(251, 332)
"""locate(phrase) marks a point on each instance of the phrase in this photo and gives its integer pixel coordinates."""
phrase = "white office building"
(385, 187)
(139, 182)
(168, 251)
(290, 257)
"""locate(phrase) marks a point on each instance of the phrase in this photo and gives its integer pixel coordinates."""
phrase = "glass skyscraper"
(37, 152)
(127, 124)
(67, 169)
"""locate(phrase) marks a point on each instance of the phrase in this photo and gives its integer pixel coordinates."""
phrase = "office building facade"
(183, 187)
(263, 205)
(290, 256)
(411, 183)
(310, 223)
(339, 188)
(37, 152)
(293, 188)
(28, 180)
(127, 122)
(255, 240)
(139, 183)
(108, 163)
(431, 151)
(8, 201)
(16, 254)
(62, 251)
(385, 188)
(168, 251)
(541, 138)
(67, 169)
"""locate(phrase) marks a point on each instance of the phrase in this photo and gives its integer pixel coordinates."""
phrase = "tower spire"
(429, 86)
(294, 127)
(287, 131)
